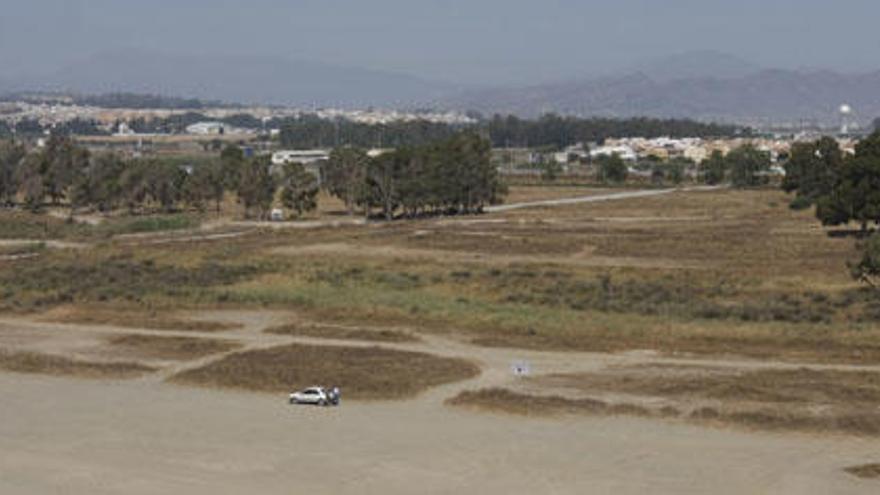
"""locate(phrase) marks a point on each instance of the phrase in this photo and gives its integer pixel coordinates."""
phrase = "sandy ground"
(63, 436)
(145, 436)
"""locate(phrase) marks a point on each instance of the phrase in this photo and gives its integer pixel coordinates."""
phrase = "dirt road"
(145, 436)
(593, 198)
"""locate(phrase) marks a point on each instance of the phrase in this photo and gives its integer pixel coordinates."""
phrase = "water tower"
(846, 112)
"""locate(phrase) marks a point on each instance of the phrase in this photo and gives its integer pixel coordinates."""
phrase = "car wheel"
(322, 403)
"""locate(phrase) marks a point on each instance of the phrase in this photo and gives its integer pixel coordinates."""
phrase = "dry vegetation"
(867, 471)
(94, 315)
(708, 273)
(508, 401)
(173, 348)
(362, 373)
(342, 333)
(769, 399)
(792, 386)
(734, 272)
(15, 250)
(32, 362)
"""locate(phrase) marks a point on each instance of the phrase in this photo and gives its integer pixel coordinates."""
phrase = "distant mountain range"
(702, 85)
(698, 85)
(259, 80)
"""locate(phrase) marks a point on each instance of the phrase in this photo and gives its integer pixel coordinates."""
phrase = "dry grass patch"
(174, 348)
(529, 193)
(343, 333)
(47, 364)
(795, 386)
(771, 399)
(361, 373)
(508, 401)
(867, 471)
(135, 319)
(858, 422)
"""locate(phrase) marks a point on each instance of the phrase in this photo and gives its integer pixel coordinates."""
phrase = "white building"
(623, 151)
(299, 156)
(206, 128)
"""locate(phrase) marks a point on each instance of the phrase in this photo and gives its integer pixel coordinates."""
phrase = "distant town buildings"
(54, 113)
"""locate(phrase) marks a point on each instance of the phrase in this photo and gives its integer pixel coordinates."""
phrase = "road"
(593, 198)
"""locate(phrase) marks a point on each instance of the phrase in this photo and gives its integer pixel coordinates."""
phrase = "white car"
(312, 395)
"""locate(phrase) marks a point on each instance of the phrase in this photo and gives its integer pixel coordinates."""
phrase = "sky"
(471, 42)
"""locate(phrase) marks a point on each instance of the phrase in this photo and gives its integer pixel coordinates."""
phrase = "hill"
(260, 80)
(698, 85)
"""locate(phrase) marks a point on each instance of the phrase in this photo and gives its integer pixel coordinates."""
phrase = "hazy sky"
(465, 41)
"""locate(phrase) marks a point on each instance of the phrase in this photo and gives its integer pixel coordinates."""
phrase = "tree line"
(550, 131)
(451, 176)
(744, 166)
(558, 132)
(63, 173)
(310, 131)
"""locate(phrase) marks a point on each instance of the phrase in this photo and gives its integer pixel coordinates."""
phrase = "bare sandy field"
(63, 436)
(146, 436)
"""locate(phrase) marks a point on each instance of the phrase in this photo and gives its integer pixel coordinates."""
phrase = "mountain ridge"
(242, 79)
(764, 96)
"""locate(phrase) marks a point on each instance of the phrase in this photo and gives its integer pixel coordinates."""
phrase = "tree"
(205, 184)
(748, 166)
(867, 270)
(63, 163)
(256, 188)
(714, 169)
(232, 162)
(99, 184)
(134, 185)
(550, 170)
(671, 172)
(470, 178)
(612, 169)
(658, 174)
(166, 183)
(11, 155)
(812, 170)
(383, 181)
(30, 181)
(855, 195)
(299, 190)
(345, 175)
(675, 170)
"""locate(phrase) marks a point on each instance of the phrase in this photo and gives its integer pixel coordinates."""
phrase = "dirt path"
(146, 436)
(450, 256)
(47, 243)
(593, 198)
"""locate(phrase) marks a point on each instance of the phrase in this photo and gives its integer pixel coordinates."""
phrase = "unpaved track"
(594, 198)
(145, 436)
(450, 256)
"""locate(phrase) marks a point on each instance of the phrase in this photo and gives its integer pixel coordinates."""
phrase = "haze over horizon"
(486, 43)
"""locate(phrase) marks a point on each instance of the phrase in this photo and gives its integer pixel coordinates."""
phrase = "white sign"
(521, 368)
